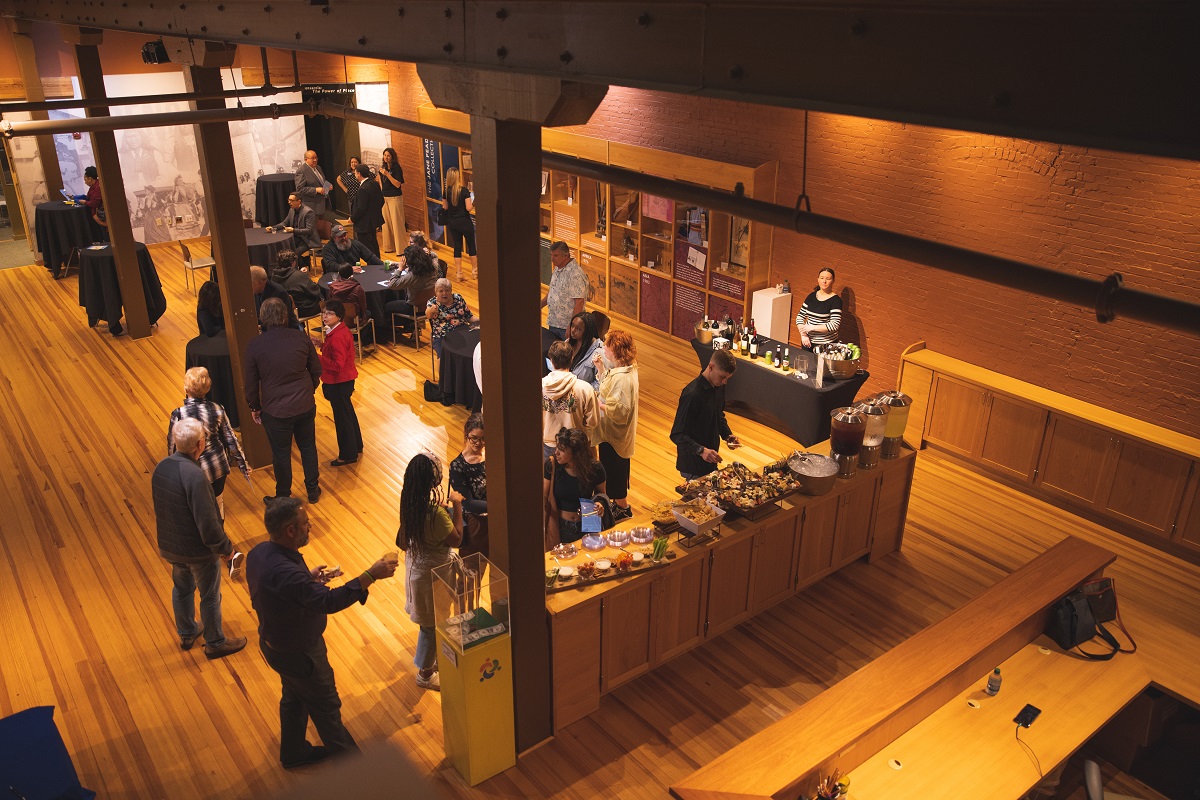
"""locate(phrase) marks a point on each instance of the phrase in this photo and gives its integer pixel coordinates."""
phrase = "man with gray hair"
(264, 289)
(191, 537)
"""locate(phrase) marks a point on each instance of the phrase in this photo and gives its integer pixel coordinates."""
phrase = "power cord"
(1029, 750)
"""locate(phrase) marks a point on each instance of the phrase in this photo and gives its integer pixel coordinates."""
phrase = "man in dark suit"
(311, 184)
(366, 212)
(301, 222)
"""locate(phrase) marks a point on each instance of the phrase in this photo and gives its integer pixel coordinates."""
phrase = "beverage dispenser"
(898, 405)
(877, 418)
(846, 438)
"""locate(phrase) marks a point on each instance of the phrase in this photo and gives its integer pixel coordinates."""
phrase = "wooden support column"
(224, 210)
(507, 112)
(507, 181)
(112, 185)
(22, 39)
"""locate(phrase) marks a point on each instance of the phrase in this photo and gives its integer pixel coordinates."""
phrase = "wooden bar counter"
(606, 633)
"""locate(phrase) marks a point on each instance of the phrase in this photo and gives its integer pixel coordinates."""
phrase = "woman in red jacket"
(337, 381)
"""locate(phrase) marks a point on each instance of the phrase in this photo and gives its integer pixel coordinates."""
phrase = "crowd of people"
(589, 433)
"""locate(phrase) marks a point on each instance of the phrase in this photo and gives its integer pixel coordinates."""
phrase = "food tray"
(757, 512)
(694, 528)
(576, 582)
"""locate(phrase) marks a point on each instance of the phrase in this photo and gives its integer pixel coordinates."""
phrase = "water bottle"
(993, 684)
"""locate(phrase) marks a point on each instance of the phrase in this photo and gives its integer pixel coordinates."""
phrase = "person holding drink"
(429, 527)
(293, 603)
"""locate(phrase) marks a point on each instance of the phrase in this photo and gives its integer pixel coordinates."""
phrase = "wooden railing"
(847, 724)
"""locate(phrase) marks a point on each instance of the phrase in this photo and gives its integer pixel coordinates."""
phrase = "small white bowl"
(603, 564)
(637, 557)
(566, 572)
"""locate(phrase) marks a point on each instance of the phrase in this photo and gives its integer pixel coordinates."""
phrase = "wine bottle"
(745, 343)
(779, 356)
(753, 330)
(753, 342)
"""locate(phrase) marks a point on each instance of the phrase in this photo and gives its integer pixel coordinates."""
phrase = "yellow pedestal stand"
(475, 664)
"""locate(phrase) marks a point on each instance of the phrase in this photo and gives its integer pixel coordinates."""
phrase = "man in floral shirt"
(445, 311)
(567, 292)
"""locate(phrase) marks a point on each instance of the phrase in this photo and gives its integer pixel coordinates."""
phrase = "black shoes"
(318, 753)
(621, 513)
(186, 642)
(314, 495)
(341, 462)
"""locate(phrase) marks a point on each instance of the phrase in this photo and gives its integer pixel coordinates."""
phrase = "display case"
(470, 601)
(474, 660)
(650, 258)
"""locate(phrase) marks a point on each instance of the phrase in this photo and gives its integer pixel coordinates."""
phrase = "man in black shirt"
(293, 605)
(366, 212)
(341, 249)
(700, 419)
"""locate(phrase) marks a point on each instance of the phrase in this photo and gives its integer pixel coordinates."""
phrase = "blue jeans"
(426, 655)
(561, 333)
(187, 579)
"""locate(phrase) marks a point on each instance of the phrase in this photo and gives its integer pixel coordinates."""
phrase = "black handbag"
(1073, 621)
(440, 215)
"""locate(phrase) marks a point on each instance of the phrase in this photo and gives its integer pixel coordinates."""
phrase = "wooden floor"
(86, 621)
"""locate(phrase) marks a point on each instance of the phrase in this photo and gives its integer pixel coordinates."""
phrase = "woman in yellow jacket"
(616, 367)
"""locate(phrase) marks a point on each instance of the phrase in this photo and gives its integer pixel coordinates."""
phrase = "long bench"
(848, 723)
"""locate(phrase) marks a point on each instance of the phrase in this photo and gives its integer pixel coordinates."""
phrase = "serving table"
(606, 633)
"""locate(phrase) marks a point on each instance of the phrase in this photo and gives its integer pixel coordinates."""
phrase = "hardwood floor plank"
(88, 626)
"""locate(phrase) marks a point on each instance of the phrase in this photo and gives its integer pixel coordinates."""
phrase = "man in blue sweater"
(191, 537)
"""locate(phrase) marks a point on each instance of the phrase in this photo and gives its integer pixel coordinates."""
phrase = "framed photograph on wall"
(739, 242)
(466, 160)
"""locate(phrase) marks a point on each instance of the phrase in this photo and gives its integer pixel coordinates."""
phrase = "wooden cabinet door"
(729, 584)
(956, 416)
(1012, 438)
(1074, 460)
(857, 512)
(1147, 486)
(1187, 532)
(679, 608)
(817, 529)
(626, 626)
(891, 508)
(575, 648)
(774, 563)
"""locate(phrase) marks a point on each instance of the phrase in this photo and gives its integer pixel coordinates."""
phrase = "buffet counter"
(608, 630)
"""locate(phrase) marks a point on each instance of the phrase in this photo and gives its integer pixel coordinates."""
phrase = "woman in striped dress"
(821, 315)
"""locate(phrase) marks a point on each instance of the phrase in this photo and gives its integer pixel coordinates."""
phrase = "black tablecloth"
(794, 407)
(59, 227)
(270, 197)
(457, 378)
(100, 292)
(377, 295)
(212, 353)
(263, 246)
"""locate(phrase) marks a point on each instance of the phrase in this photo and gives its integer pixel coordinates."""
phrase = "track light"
(155, 53)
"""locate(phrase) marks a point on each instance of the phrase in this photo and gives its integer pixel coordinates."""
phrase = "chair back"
(187, 254)
(324, 229)
(420, 301)
(350, 314)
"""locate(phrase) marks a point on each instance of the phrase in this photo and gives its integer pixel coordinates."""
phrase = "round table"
(100, 291)
(374, 280)
(212, 353)
(457, 378)
(263, 247)
(59, 228)
(270, 197)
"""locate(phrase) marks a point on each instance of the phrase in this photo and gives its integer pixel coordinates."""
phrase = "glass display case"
(470, 601)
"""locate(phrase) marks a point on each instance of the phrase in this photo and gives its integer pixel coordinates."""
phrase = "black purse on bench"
(1080, 616)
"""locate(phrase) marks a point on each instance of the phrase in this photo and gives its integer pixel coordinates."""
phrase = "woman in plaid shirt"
(222, 444)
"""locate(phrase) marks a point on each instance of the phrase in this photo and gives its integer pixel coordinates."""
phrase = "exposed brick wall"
(405, 95)
(1074, 209)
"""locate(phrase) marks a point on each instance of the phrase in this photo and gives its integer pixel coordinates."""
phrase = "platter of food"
(741, 491)
(614, 563)
(698, 516)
